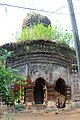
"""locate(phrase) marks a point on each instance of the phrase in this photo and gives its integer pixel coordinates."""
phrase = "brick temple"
(47, 67)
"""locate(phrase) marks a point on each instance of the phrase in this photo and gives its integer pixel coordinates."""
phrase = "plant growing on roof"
(37, 32)
(37, 27)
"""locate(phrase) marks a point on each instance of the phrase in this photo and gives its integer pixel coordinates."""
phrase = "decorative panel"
(39, 70)
(22, 70)
(59, 72)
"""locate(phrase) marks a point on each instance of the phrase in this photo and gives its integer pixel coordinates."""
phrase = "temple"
(48, 69)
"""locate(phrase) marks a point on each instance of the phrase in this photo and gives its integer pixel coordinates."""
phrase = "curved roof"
(40, 51)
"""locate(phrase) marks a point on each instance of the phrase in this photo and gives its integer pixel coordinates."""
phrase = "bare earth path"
(62, 115)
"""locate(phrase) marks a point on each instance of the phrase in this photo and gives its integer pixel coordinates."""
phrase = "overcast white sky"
(11, 18)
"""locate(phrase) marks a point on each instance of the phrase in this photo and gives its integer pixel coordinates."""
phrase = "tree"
(8, 79)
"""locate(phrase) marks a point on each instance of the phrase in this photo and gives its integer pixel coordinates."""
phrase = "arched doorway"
(60, 86)
(39, 91)
(60, 90)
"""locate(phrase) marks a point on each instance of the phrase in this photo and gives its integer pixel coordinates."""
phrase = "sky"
(11, 18)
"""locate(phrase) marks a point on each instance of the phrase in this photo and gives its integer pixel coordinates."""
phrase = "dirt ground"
(45, 115)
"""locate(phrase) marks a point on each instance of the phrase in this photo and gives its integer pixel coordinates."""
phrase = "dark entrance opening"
(39, 91)
(60, 89)
(60, 86)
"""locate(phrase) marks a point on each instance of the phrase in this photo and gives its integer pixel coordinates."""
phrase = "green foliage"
(62, 36)
(7, 79)
(39, 31)
(4, 54)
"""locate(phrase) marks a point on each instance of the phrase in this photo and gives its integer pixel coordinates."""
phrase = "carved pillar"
(50, 92)
(29, 91)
